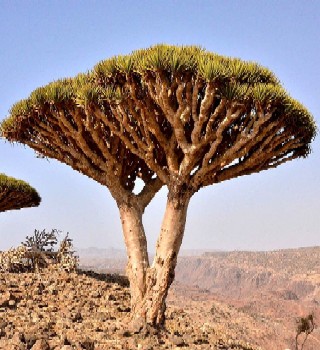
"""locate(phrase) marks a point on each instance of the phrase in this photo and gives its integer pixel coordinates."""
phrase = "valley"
(258, 295)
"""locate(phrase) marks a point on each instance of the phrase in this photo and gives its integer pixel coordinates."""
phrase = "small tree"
(16, 194)
(179, 116)
(39, 248)
(40, 251)
(304, 325)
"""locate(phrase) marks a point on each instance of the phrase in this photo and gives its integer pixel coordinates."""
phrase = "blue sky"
(42, 41)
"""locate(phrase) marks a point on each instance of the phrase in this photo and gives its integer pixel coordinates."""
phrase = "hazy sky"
(41, 41)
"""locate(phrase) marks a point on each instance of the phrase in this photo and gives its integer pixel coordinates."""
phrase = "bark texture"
(137, 253)
(149, 285)
(161, 274)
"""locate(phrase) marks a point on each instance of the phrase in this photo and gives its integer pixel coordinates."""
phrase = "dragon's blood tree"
(179, 116)
(16, 194)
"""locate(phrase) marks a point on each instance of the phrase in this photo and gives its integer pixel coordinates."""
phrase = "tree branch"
(149, 191)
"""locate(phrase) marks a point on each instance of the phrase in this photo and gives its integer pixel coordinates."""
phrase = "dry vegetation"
(37, 253)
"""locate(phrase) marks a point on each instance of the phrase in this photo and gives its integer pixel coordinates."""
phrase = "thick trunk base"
(138, 261)
(150, 310)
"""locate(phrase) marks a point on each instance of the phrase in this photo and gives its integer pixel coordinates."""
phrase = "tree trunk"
(149, 286)
(138, 261)
(161, 274)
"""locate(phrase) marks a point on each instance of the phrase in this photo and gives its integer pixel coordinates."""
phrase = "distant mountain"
(265, 291)
(197, 252)
(276, 286)
(94, 252)
(114, 260)
(111, 252)
(229, 272)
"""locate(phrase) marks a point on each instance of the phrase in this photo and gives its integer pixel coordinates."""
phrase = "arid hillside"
(294, 272)
(277, 286)
(257, 295)
(85, 310)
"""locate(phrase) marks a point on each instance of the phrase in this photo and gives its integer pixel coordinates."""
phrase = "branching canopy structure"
(172, 107)
(16, 194)
(179, 116)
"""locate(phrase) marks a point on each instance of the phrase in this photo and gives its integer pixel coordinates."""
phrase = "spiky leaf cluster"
(16, 194)
(106, 80)
(167, 110)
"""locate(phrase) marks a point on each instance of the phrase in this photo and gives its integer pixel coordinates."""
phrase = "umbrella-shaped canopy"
(16, 194)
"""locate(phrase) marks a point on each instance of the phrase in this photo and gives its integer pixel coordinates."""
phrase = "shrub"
(38, 252)
(305, 325)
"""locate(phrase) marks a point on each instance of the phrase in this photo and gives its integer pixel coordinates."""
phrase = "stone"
(4, 299)
(41, 344)
(177, 341)
(18, 338)
(17, 342)
(11, 303)
(77, 317)
(74, 319)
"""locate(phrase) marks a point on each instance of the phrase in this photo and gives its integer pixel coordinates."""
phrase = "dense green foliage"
(16, 194)
(14, 184)
(105, 83)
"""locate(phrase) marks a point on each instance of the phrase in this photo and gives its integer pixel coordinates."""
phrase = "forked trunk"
(161, 273)
(138, 261)
(149, 286)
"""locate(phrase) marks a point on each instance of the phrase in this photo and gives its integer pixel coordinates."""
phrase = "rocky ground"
(266, 292)
(86, 310)
(253, 296)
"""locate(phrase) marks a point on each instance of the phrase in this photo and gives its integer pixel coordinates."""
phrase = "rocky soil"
(253, 296)
(273, 289)
(87, 310)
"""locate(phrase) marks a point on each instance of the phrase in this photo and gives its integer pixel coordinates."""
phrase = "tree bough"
(176, 116)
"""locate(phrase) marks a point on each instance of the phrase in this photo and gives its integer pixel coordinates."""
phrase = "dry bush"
(305, 325)
(38, 252)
